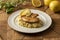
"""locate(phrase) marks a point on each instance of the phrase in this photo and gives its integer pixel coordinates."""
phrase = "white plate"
(42, 15)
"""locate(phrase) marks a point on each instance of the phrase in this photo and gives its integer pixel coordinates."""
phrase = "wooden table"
(53, 33)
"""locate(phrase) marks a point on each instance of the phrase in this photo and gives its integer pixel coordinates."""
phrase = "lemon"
(36, 3)
(55, 6)
(47, 2)
(25, 12)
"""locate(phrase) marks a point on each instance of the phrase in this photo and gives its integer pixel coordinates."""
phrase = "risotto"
(27, 24)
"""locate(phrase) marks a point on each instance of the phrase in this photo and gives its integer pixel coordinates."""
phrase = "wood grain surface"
(53, 33)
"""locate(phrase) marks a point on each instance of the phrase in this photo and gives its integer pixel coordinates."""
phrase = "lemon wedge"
(36, 3)
(25, 12)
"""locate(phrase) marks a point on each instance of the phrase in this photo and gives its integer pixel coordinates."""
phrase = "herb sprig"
(10, 5)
